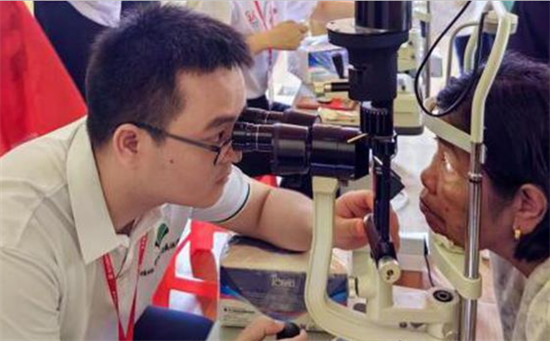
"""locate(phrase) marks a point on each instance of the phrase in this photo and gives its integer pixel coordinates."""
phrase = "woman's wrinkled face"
(444, 199)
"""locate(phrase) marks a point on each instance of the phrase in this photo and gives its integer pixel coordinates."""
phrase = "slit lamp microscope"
(298, 143)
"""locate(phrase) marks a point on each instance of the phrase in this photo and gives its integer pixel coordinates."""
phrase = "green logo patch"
(161, 233)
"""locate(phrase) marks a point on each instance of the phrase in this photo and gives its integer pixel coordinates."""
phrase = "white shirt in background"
(244, 17)
(105, 13)
(444, 11)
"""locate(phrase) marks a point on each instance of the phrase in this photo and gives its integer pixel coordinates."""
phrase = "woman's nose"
(428, 177)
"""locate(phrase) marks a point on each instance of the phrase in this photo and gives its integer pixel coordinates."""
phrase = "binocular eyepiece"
(299, 143)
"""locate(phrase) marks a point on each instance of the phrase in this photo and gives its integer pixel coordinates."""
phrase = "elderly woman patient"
(515, 200)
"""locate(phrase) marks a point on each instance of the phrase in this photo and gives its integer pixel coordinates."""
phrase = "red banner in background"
(37, 95)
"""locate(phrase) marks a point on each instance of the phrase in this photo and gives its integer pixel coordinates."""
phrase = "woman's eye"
(448, 164)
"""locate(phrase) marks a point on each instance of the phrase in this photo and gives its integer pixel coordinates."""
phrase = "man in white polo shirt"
(91, 213)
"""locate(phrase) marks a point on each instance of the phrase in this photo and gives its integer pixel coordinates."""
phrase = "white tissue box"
(257, 278)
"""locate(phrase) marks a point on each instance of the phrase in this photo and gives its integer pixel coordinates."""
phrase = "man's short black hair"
(516, 136)
(133, 68)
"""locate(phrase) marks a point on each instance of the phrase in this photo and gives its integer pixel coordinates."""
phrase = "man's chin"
(209, 200)
(199, 201)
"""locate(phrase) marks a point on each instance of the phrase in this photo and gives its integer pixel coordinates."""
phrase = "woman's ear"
(531, 206)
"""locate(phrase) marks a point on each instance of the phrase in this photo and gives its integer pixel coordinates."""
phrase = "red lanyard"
(262, 16)
(265, 23)
(111, 281)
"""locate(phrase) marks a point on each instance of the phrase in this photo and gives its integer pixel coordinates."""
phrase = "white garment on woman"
(508, 284)
(533, 319)
(531, 322)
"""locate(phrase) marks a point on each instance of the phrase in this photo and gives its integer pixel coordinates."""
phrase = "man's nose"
(235, 156)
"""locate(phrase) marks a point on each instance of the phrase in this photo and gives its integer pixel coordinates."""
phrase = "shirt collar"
(94, 227)
(146, 223)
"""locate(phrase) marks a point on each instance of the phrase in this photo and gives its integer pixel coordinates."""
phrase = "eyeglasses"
(221, 151)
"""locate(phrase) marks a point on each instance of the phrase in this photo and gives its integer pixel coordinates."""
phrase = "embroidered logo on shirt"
(169, 246)
(161, 233)
(253, 19)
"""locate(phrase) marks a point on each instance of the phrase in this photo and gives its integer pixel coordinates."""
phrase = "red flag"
(37, 95)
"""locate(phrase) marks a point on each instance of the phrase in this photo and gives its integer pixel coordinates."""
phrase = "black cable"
(473, 80)
(428, 264)
(428, 55)
(475, 77)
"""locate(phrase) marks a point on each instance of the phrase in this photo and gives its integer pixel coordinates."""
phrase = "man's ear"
(127, 142)
(531, 206)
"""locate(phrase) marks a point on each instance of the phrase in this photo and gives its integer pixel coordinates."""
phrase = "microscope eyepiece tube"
(323, 150)
(289, 116)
